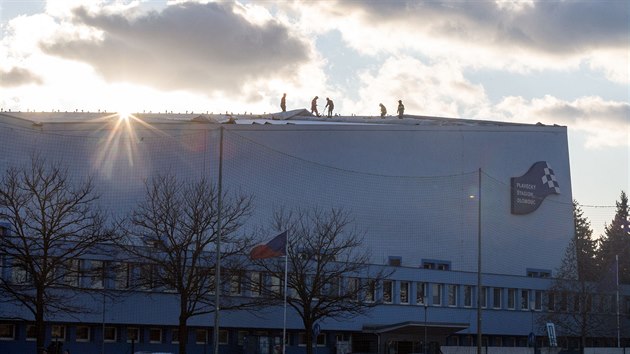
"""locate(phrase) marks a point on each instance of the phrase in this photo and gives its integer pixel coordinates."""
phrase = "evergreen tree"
(616, 242)
(572, 291)
(585, 246)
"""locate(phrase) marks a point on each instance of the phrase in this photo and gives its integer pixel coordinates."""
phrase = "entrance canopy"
(416, 328)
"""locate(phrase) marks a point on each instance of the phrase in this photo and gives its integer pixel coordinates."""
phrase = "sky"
(554, 62)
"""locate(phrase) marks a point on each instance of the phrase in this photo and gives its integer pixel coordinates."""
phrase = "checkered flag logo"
(549, 178)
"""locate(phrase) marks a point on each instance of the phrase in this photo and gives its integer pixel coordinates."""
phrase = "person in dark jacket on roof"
(314, 106)
(330, 105)
(283, 103)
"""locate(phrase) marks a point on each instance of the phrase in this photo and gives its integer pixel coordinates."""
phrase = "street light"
(424, 301)
(532, 335)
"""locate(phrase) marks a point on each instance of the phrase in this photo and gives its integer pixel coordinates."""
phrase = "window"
(511, 299)
(468, 295)
(436, 292)
(155, 335)
(241, 336)
(353, 288)
(223, 336)
(120, 275)
(31, 333)
(275, 285)
(538, 295)
(236, 280)
(388, 288)
(436, 264)
(484, 297)
(451, 293)
(58, 333)
(72, 272)
(333, 287)
(201, 336)
(524, 299)
(627, 302)
(404, 292)
(370, 294)
(538, 273)
(146, 278)
(395, 261)
(7, 331)
(496, 298)
(551, 301)
(421, 293)
(563, 302)
(175, 336)
(133, 334)
(97, 273)
(21, 274)
(83, 334)
(321, 339)
(256, 284)
(110, 334)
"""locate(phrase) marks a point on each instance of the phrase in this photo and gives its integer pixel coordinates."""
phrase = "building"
(427, 191)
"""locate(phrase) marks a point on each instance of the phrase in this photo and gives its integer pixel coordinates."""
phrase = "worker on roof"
(330, 105)
(283, 103)
(314, 106)
(401, 109)
(383, 110)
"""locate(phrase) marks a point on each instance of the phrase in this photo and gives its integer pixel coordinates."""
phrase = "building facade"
(449, 205)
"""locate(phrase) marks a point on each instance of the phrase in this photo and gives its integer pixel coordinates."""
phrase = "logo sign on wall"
(529, 190)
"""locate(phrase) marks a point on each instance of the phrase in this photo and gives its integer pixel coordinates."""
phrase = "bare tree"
(52, 222)
(329, 274)
(173, 234)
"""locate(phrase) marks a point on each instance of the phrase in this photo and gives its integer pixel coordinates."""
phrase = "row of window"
(111, 334)
(98, 274)
(152, 335)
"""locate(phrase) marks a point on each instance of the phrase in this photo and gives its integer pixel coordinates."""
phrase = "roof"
(300, 116)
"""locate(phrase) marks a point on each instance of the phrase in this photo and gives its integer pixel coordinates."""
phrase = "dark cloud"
(616, 113)
(18, 77)
(200, 47)
(554, 27)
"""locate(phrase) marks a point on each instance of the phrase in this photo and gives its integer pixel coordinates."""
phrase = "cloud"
(205, 48)
(437, 89)
(18, 77)
(517, 36)
(605, 123)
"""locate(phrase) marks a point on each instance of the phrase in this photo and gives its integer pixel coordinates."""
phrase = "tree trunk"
(308, 335)
(40, 325)
(183, 333)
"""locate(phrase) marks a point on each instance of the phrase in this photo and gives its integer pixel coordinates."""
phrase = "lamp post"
(532, 335)
(426, 305)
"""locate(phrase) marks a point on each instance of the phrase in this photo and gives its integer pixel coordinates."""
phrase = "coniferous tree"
(574, 291)
(616, 242)
(585, 246)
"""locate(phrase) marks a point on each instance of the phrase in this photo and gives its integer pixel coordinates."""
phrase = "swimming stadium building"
(447, 205)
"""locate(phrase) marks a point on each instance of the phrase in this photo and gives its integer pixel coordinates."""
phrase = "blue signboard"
(529, 190)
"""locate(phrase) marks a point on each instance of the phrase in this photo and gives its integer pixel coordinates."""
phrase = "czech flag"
(276, 247)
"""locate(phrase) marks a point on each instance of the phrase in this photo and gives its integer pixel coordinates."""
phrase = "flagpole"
(286, 268)
(617, 290)
(217, 275)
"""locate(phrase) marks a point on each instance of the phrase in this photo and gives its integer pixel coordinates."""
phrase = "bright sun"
(124, 115)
